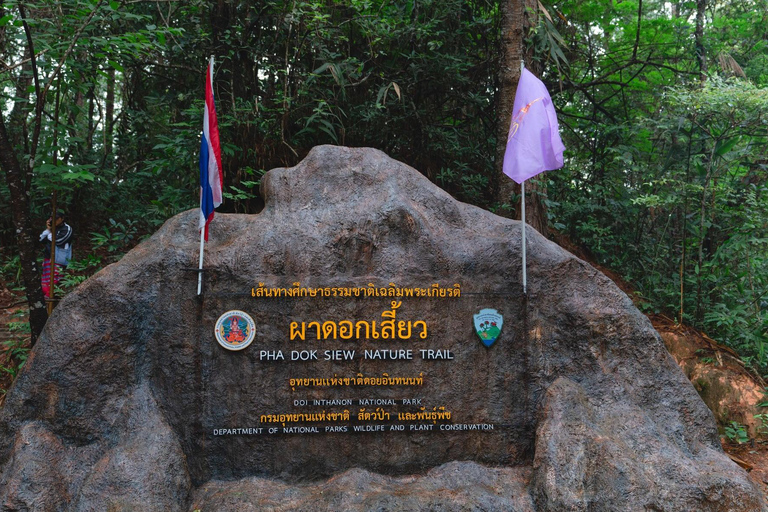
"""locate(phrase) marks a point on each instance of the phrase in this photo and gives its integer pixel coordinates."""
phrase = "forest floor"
(754, 458)
(14, 336)
(751, 454)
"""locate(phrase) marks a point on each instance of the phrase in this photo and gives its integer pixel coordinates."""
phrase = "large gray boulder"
(128, 402)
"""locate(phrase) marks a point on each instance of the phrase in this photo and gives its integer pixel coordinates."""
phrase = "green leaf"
(78, 176)
(724, 146)
(5, 19)
(116, 65)
(321, 69)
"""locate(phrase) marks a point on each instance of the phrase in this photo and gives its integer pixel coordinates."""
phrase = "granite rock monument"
(366, 383)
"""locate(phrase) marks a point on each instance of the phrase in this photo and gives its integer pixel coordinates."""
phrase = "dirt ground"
(753, 457)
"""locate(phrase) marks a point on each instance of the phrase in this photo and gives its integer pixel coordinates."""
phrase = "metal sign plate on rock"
(235, 330)
(488, 324)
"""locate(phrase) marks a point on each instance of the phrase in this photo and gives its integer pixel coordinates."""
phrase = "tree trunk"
(110, 112)
(514, 23)
(20, 202)
(91, 109)
(511, 52)
(3, 37)
(701, 54)
(75, 131)
(535, 209)
(18, 116)
(27, 247)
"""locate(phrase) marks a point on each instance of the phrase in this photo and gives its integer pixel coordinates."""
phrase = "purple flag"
(533, 143)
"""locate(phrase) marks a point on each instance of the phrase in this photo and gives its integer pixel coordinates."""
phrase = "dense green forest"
(663, 109)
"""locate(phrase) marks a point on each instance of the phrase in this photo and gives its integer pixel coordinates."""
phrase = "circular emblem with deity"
(235, 330)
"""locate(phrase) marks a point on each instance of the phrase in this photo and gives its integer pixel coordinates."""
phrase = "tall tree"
(19, 179)
(701, 52)
(517, 16)
(510, 55)
(27, 246)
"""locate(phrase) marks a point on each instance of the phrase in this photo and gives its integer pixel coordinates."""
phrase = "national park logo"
(235, 330)
(488, 323)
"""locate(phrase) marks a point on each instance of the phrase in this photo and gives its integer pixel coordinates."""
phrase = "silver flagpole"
(200, 267)
(202, 231)
(522, 206)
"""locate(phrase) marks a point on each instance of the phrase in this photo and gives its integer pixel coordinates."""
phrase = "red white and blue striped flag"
(211, 177)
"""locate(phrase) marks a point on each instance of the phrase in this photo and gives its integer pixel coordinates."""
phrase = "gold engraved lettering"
(358, 380)
(371, 290)
(388, 329)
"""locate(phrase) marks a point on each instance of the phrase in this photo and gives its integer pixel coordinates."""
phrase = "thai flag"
(211, 177)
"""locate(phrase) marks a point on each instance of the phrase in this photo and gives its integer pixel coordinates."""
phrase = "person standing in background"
(64, 234)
